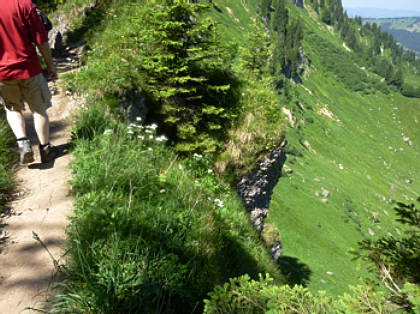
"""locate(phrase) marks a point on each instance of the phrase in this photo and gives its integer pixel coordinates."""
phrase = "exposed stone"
(134, 106)
(325, 192)
(256, 188)
(56, 35)
(290, 117)
(287, 169)
(276, 250)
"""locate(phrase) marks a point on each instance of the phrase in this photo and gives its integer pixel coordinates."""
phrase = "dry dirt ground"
(41, 207)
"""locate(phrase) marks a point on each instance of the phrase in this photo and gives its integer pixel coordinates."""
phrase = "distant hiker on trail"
(21, 78)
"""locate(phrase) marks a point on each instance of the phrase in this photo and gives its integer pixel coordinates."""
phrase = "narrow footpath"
(40, 209)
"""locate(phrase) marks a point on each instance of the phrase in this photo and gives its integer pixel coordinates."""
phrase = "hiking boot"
(47, 152)
(25, 151)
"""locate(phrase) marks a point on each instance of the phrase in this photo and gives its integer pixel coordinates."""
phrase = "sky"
(404, 5)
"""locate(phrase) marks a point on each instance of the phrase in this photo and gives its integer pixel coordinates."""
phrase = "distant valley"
(405, 30)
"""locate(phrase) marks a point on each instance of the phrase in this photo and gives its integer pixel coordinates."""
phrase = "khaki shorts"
(33, 90)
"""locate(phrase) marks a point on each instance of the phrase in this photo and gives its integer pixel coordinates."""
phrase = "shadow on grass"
(296, 272)
(175, 276)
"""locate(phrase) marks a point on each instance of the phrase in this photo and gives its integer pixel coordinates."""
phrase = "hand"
(52, 72)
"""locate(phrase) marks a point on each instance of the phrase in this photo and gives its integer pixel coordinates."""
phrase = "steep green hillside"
(352, 154)
(155, 229)
(351, 159)
(405, 30)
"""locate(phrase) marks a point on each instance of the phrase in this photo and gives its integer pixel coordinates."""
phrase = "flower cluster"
(219, 202)
(145, 132)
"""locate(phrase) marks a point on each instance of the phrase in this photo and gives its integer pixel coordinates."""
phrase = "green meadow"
(353, 155)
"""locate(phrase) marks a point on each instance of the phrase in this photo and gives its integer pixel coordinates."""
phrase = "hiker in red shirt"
(21, 77)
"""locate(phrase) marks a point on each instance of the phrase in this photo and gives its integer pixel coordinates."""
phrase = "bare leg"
(42, 127)
(16, 122)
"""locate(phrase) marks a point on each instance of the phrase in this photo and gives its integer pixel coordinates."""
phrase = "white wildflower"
(132, 125)
(198, 155)
(130, 131)
(196, 183)
(140, 137)
(209, 171)
(149, 149)
(180, 167)
(138, 119)
(219, 202)
(149, 131)
(161, 138)
(151, 137)
(108, 131)
(152, 126)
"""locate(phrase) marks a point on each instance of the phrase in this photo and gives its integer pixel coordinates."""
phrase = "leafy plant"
(243, 295)
(7, 159)
(397, 259)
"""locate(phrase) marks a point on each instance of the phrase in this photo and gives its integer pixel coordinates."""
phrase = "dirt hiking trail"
(41, 207)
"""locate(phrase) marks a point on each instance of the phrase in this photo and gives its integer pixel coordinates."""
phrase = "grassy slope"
(234, 17)
(317, 236)
(7, 158)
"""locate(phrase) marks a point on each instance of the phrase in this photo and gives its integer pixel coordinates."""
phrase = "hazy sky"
(405, 5)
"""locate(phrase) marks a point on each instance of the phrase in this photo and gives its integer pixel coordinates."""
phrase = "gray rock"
(134, 105)
(56, 35)
(256, 188)
(276, 250)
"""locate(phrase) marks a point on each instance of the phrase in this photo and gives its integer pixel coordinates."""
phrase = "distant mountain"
(380, 13)
(405, 30)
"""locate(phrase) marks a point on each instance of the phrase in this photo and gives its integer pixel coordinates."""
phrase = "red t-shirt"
(20, 29)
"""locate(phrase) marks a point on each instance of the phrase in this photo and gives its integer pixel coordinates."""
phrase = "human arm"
(45, 51)
(38, 35)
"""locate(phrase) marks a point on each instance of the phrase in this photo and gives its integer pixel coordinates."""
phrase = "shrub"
(259, 127)
(243, 295)
(170, 53)
(410, 91)
(7, 158)
(397, 259)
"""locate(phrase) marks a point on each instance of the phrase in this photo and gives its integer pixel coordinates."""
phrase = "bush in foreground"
(243, 295)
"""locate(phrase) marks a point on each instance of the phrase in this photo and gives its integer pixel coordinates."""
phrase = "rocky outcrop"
(56, 35)
(256, 190)
(134, 106)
